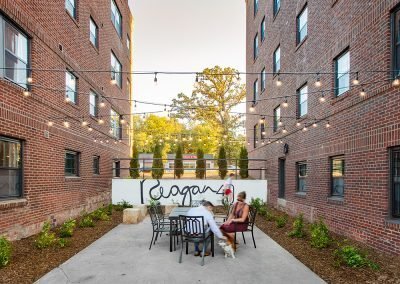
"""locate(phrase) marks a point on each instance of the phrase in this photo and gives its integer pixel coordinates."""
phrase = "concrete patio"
(123, 256)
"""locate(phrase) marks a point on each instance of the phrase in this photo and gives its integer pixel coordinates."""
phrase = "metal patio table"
(174, 218)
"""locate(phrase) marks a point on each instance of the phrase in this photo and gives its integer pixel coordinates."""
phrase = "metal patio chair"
(159, 226)
(250, 225)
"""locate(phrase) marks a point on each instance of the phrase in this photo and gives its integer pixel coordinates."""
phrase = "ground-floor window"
(96, 165)
(301, 176)
(10, 168)
(395, 181)
(337, 176)
(71, 163)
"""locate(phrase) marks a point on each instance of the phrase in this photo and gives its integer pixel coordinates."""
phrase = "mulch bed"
(28, 263)
(322, 261)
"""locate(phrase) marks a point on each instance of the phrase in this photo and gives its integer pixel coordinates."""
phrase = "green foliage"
(100, 214)
(157, 170)
(298, 227)
(263, 211)
(257, 203)
(353, 257)
(244, 163)
(134, 163)
(153, 202)
(320, 235)
(108, 209)
(46, 238)
(5, 251)
(67, 229)
(200, 164)
(86, 221)
(281, 221)
(122, 205)
(222, 163)
(178, 162)
(270, 217)
(62, 242)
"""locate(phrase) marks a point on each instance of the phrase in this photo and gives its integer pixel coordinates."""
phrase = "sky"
(184, 35)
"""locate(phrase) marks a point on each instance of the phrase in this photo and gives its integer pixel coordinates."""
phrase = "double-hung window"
(263, 80)
(277, 6)
(255, 47)
(93, 103)
(14, 53)
(255, 90)
(337, 176)
(262, 130)
(255, 136)
(302, 94)
(396, 42)
(342, 73)
(116, 69)
(395, 181)
(94, 33)
(115, 124)
(277, 118)
(96, 165)
(71, 163)
(70, 5)
(277, 60)
(302, 20)
(301, 176)
(71, 87)
(256, 3)
(262, 29)
(116, 18)
(10, 168)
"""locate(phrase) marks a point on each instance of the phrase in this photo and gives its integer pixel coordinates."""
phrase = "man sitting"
(205, 210)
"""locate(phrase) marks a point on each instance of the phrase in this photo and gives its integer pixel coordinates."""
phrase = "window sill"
(72, 18)
(392, 223)
(300, 44)
(13, 203)
(94, 47)
(335, 200)
(301, 194)
(72, 178)
(337, 99)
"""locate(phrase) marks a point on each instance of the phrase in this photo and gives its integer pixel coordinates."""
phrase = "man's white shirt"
(208, 219)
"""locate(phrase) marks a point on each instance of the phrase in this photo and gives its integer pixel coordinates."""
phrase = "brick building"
(331, 131)
(60, 126)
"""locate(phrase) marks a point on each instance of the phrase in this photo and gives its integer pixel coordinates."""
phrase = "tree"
(157, 170)
(178, 162)
(134, 163)
(200, 164)
(244, 163)
(222, 164)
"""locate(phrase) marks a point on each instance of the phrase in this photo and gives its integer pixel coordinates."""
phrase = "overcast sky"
(184, 35)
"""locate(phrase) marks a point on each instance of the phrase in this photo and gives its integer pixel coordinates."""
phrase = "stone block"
(131, 216)
(143, 210)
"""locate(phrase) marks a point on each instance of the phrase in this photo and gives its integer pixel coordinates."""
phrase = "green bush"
(298, 227)
(157, 170)
(108, 209)
(244, 163)
(281, 221)
(67, 229)
(222, 163)
(178, 168)
(200, 164)
(120, 206)
(86, 221)
(257, 203)
(5, 251)
(263, 211)
(320, 235)
(353, 257)
(270, 217)
(100, 214)
(134, 163)
(45, 238)
(62, 242)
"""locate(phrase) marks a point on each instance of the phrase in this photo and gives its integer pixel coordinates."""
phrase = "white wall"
(169, 191)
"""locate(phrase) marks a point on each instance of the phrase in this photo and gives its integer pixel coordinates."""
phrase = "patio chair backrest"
(252, 216)
(192, 226)
(159, 213)
(153, 215)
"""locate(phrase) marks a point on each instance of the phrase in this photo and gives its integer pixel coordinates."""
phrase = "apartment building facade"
(64, 107)
(323, 105)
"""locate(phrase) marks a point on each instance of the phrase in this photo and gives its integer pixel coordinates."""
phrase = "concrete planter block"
(143, 210)
(169, 208)
(131, 216)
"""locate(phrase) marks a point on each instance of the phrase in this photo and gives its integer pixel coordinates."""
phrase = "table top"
(178, 211)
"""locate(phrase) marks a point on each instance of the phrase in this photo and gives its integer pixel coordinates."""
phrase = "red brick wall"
(362, 129)
(48, 194)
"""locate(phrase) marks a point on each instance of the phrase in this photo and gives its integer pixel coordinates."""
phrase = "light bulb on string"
(327, 124)
(305, 127)
(280, 123)
(362, 93)
(29, 79)
(26, 93)
(261, 121)
(50, 123)
(102, 103)
(285, 103)
(284, 130)
(238, 76)
(248, 143)
(190, 138)
(66, 124)
(121, 119)
(298, 123)
(322, 98)
(318, 82)
(107, 141)
(269, 141)
(115, 141)
(94, 140)
(278, 82)
(197, 77)
(84, 123)
(192, 115)
(120, 140)
(90, 129)
(113, 80)
(396, 82)
(263, 143)
(263, 133)
(100, 121)
(315, 124)
(280, 141)
(225, 136)
(252, 109)
(67, 99)
(101, 141)
(356, 81)
(110, 131)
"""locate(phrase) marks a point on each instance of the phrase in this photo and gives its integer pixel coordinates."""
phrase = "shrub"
(100, 214)
(62, 242)
(244, 163)
(178, 168)
(353, 257)
(320, 235)
(108, 209)
(67, 229)
(263, 211)
(5, 251)
(281, 221)
(222, 163)
(86, 221)
(298, 227)
(122, 205)
(134, 163)
(157, 170)
(200, 164)
(257, 203)
(45, 238)
(270, 217)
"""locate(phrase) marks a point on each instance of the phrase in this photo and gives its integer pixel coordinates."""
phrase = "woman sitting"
(238, 218)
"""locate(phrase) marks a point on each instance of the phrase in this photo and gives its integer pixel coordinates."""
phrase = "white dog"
(228, 250)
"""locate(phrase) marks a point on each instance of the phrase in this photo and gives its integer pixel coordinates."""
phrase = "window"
(70, 84)
(337, 176)
(255, 90)
(255, 136)
(116, 18)
(10, 168)
(342, 73)
(70, 5)
(117, 169)
(116, 69)
(255, 7)
(71, 163)
(128, 42)
(277, 118)
(94, 33)
(395, 181)
(14, 53)
(301, 176)
(93, 103)
(277, 60)
(263, 79)
(302, 21)
(303, 101)
(277, 6)
(262, 130)
(255, 47)
(396, 42)
(96, 165)
(262, 30)
(115, 124)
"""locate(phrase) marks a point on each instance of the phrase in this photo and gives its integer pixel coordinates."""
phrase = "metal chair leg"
(253, 239)
(156, 238)
(204, 252)
(212, 245)
(180, 256)
(151, 241)
(244, 240)
(187, 247)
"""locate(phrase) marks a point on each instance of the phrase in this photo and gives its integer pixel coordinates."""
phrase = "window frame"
(96, 165)
(338, 91)
(128, 43)
(263, 77)
(19, 169)
(77, 160)
(298, 28)
(262, 30)
(75, 11)
(255, 47)
(256, 4)
(95, 106)
(392, 183)
(262, 129)
(332, 178)
(96, 36)
(255, 136)
(299, 104)
(276, 7)
(276, 118)
(275, 70)
(119, 32)
(255, 90)
(75, 100)
(116, 73)
(299, 178)
(117, 129)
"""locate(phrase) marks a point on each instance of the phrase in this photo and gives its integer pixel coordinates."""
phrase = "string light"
(121, 119)
(263, 143)
(280, 123)
(285, 103)
(252, 109)
(263, 133)
(318, 82)
(67, 99)
(278, 82)
(26, 93)
(50, 123)
(66, 124)
(197, 77)
(269, 141)
(322, 98)
(396, 82)
(284, 130)
(315, 124)
(29, 79)
(327, 124)
(362, 93)
(90, 129)
(110, 131)
(262, 120)
(102, 103)
(298, 124)
(84, 123)
(101, 121)
(107, 141)
(113, 80)
(305, 127)
(225, 136)
(356, 81)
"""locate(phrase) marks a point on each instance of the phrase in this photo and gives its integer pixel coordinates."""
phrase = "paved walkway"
(123, 256)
